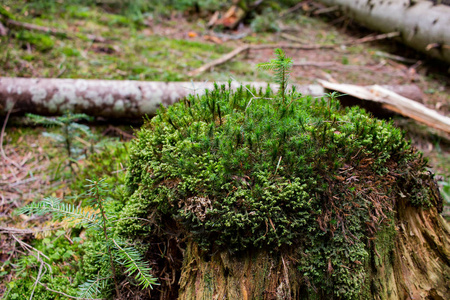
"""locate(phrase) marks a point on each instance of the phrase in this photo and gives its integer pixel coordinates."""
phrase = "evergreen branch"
(68, 211)
(133, 261)
(80, 127)
(91, 288)
(281, 67)
(45, 120)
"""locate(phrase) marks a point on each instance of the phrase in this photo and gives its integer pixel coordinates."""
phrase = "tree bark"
(424, 25)
(115, 99)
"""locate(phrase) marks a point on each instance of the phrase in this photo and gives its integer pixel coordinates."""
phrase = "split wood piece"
(52, 31)
(394, 102)
(241, 49)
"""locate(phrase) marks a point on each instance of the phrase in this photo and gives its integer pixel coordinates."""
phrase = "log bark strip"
(424, 26)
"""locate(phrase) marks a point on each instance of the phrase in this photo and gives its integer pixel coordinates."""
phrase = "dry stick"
(237, 51)
(292, 9)
(28, 247)
(2, 134)
(372, 38)
(326, 10)
(52, 31)
(334, 65)
(12, 230)
(37, 278)
(396, 57)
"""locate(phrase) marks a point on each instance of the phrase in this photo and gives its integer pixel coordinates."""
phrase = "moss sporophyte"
(299, 172)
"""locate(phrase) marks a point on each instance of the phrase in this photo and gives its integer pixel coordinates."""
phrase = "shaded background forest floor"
(164, 45)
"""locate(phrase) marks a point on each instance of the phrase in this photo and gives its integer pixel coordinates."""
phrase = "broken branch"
(241, 49)
(52, 31)
(394, 102)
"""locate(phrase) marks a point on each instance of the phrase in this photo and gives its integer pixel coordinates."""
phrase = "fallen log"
(394, 102)
(119, 99)
(115, 99)
(424, 25)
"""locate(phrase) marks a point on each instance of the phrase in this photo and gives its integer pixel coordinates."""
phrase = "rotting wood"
(394, 102)
(125, 100)
(235, 52)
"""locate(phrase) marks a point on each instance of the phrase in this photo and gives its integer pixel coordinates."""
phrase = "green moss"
(246, 170)
(60, 272)
(42, 42)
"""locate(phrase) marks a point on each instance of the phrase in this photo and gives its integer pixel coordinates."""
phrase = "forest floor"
(166, 49)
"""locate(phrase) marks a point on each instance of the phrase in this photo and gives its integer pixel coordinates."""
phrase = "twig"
(37, 278)
(326, 10)
(2, 134)
(12, 230)
(396, 57)
(218, 61)
(291, 38)
(52, 31)
(292, 9)
(372, 38)
(66, 295)
(3, 30)
(29, 248)
(334, 65)
(237, 51)
(241, 49)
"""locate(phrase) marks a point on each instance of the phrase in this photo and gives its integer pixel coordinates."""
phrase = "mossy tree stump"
(255, 196)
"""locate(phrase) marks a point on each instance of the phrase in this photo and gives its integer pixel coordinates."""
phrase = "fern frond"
(132, 260)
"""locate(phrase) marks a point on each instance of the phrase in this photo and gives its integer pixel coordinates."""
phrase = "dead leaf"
(192, 34)
(213, 39)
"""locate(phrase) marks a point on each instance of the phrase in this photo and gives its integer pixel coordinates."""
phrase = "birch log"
(117, 99)
(424, 25)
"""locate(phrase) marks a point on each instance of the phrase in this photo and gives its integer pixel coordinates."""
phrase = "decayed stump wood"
(424, 25)
(118, 99)
(415, 265)
(254, 275)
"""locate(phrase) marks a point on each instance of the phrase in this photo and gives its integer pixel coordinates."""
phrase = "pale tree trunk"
(117, 99)
(414, 264)
(424, 25)
(104, 98)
